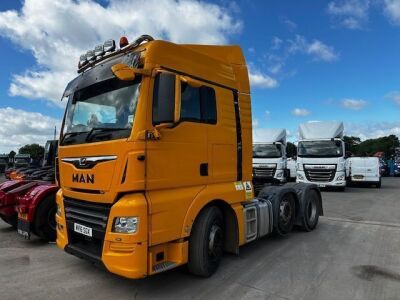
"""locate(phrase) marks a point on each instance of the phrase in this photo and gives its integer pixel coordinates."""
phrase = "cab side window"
(198, 104)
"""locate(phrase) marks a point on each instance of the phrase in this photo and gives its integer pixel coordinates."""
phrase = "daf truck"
(155, 161)
(321, 154)
(269, 158)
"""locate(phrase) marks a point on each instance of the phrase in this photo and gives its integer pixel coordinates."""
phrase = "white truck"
(269, 158)
(321, 154)
(291, 166)
(363, 170)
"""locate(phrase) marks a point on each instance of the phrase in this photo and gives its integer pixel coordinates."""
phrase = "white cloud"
(370, 130)
(317, 49)
(354, 104)
(352, 14)
(395, 97)
(300, 112)
(56, 32)
(19, 127)
(276, 43)
(261, 80)
(392, 10)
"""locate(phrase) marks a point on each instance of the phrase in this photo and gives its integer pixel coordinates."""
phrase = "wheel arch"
(231, 243)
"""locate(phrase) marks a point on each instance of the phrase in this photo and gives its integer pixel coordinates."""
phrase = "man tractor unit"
(28, 202)
(155, 161)
(269, 159)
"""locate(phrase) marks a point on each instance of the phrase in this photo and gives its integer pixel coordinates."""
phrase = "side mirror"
(126, 73)
(166, 105)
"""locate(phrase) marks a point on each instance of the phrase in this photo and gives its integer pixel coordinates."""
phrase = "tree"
(291, 149)
(11, 155)
(352, 143)
(36, 151)
(386, 144)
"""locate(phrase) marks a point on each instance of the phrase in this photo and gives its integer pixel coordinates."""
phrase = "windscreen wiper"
(102, 129)
(71, 134)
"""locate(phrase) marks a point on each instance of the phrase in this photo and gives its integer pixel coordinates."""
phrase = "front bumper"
(122, 254)
(338, 181)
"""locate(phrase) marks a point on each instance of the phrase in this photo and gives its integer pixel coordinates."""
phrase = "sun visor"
(99, 73)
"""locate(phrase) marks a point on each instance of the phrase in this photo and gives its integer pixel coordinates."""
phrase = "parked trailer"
(321, 154)
(161, 175)
(3, 162)
(28, 203)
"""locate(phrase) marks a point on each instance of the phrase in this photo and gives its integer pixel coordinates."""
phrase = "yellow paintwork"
(166, 190)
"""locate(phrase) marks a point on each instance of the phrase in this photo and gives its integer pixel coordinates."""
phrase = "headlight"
(299, 176)
(58, 210)
(279, 174)
(340, 178)
(125, 224)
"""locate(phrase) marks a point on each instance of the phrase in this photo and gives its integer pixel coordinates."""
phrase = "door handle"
(204, 169)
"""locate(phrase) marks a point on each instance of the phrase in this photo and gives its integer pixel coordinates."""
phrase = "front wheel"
(206, 242)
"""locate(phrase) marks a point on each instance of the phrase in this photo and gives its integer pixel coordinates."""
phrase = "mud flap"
(24, 229)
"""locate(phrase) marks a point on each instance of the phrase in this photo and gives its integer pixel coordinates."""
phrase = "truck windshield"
(267, 151)
(102, 111)
(320, 149)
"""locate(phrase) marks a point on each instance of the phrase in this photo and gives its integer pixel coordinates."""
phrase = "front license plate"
(83, 229)
(358, 177)
(322, 185)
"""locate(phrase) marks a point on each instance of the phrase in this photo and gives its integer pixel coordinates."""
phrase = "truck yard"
(353, 254)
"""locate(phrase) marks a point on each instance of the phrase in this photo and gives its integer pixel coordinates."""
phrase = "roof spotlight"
(99, 51)
(90, 55)
(82, 60)
(109, 46)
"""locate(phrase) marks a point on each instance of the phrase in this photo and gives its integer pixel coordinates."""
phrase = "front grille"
(264, 172)
(92, 215)
(320, 175)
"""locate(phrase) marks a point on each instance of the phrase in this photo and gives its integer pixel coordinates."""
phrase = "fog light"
(125, 224)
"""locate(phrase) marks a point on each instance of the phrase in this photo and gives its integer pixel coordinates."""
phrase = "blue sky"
(308, 60)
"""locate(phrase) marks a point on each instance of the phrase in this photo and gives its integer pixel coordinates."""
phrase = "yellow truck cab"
(155, 161)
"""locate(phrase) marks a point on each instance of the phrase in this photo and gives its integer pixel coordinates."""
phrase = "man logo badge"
(81, 178)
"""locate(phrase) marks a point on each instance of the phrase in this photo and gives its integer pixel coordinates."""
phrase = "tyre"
(311, 211)
(45, 219)
(206, 242)
(286, 214)
(379, 184)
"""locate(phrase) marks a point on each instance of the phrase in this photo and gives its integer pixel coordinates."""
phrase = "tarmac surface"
(353, 254)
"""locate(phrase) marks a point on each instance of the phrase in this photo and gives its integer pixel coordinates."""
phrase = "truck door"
(176, 161)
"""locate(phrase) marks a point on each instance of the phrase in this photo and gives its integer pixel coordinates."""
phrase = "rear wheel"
(311, 211)
(45, 219)
(286, 214)
(206, 242)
